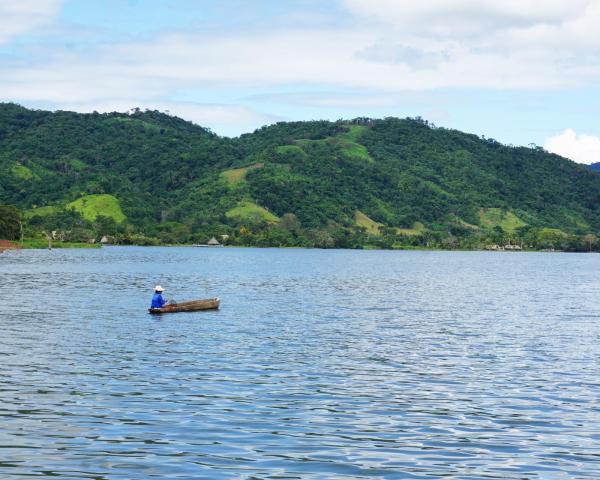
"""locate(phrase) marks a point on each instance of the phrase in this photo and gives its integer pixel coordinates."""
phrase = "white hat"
(158, 288)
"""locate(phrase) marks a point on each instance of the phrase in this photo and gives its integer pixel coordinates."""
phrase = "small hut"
(213, 242)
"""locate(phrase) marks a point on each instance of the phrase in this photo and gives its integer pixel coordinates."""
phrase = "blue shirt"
(157, 301)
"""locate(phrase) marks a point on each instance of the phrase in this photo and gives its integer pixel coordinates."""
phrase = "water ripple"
(320, 364)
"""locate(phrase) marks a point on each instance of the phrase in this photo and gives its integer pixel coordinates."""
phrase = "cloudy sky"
(519, 71)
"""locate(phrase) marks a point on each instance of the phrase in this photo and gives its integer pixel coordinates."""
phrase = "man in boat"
(157, 299)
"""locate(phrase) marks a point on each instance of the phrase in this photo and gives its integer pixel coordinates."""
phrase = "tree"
(10, 223)
(105, 225)
(590, 240)
(321, 238)
(290, 222)
(498, 235)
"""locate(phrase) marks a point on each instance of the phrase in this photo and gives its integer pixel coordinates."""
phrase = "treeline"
(288, 232)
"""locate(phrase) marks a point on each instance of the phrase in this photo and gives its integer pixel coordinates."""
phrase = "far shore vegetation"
(286, 232)
(148, 178)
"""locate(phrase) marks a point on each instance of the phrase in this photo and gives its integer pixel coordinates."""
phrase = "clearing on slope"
(497, 217)
(417, 229)
(354, 132)
(23, 173)
(41, 211)
(371, 226)
(345, 144)
(352, 150)
(238, 175)
(250, 211)
(91, 206)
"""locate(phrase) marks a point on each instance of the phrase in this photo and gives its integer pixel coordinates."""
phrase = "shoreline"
(42, 245)
(8, 245)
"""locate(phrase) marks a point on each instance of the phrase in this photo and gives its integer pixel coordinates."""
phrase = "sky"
(519, 71)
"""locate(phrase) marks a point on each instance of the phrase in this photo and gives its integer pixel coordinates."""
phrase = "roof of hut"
(213, 241)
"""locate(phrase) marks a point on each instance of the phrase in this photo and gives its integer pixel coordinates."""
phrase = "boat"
(191, 306)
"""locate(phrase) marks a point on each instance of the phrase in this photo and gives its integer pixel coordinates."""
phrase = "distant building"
(501, 248)
(213, 242)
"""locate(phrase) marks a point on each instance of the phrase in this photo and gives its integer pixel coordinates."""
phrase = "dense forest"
(150, 178)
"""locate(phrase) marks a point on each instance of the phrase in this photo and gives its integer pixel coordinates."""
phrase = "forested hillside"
(147, 177)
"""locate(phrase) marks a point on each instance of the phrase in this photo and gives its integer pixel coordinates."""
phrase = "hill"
(149, 177)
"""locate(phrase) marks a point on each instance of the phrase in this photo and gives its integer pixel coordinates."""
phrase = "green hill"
(361, 182)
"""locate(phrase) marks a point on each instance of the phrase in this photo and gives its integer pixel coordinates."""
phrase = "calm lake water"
(320, 364)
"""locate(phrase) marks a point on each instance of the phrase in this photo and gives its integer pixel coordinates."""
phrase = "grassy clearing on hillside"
(417, 229)
(497, 217)
(354, 132)
(250, 211)
(22, 172)
(41, 211)
(90, 206)
(352, 150)
(371, 226)
(463, 223)
(238, 175)
(345, 143)
(290, 150)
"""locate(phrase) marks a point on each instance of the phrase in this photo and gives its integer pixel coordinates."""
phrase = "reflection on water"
(320, 364)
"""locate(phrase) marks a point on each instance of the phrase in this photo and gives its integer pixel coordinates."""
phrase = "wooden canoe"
(191, 306)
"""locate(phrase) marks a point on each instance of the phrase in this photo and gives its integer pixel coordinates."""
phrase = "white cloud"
(581, 148)
(423, 45)
(466, 17)
(432, 101)
(415, 58)
(388, 48)
(21, 16)
(349, 58)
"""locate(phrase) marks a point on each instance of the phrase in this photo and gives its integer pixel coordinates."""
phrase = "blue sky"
(519, 71)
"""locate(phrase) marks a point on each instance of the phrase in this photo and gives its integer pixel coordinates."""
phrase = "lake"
(320, 364)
